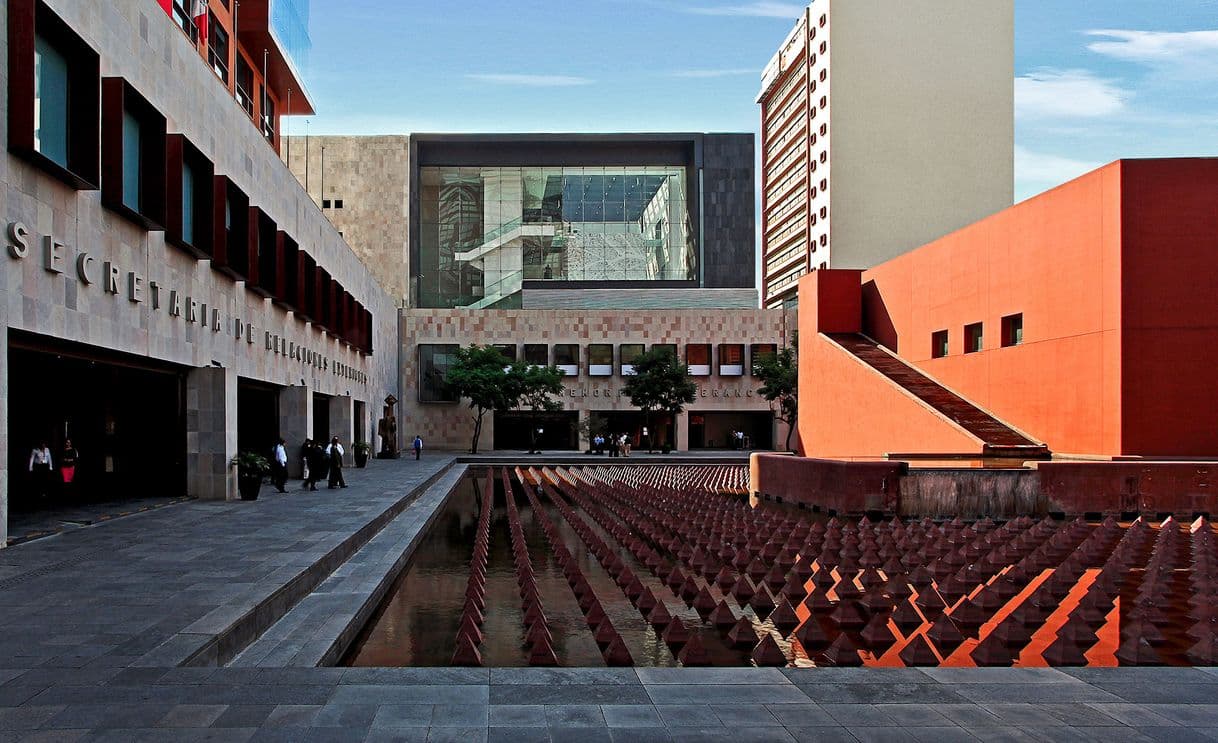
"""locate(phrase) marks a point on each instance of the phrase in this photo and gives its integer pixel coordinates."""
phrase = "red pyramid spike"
(877, 635)
(811, 636)
(466, 653)
(722, 615)
(919, 653)
(704, 603)
(537, 633)
(616, 654)
(470, 629)
(693, 653)
(675, 633)
(784, 618)
(767, 652)
(742, 590)
(843, 652)
(542, 655)
(605, 633)
(741, 634)
(659, 616)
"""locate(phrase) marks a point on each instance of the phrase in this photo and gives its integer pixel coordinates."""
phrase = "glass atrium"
(484, 231)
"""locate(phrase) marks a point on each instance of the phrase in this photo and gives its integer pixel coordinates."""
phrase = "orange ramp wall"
(1170, 308)
(1055, 259)
(847, 409)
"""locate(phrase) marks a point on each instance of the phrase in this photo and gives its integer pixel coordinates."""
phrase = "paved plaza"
(116, 631)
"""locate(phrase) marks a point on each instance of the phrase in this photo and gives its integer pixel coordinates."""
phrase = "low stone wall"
(827, 484)
(946, 493)
(1183, 489)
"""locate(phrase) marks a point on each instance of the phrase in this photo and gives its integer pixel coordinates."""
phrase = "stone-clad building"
(169, 294)
(580, 250)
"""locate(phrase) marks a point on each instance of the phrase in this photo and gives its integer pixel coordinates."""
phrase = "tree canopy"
(480, 374)
(779, 375)
(660, 383)
(537, 386)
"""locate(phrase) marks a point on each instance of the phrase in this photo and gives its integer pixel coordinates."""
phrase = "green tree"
(536, 387)
(779, 375)
(480, 373)
(660, 383)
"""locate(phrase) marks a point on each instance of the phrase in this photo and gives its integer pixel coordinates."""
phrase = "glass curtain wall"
(483, 231)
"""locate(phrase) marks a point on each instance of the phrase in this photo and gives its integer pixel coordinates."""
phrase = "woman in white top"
(40, 468)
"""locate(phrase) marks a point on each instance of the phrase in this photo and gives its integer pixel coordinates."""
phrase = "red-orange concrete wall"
(1170, 308)
(1056, 260)
(847, 409)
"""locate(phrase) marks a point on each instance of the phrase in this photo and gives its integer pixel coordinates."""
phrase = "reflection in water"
(886, 594)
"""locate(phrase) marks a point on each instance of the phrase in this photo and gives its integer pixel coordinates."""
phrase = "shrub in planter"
(361, 449)
(251, 468)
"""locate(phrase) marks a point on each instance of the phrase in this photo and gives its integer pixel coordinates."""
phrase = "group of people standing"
(42, 468)
(317, 463)
(617, 444)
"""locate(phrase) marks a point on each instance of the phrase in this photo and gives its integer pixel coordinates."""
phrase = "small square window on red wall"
(973, 338)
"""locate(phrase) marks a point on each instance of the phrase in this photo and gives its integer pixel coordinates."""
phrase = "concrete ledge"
(320, 629)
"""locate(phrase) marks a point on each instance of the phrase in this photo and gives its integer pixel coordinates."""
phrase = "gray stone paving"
(97, 623)
(375, 704)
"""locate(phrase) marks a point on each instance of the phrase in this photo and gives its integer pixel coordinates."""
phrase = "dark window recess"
(231, 232)
(268, 117)
(338, 203)
(973, 341)
(758, 351)
(628, 354)
(507, 349)
(670, 348)
(53, 95)
(566, 354)
(307, 290)
(189, 197)
(434, 362)
(324, 301)
(325, 203)
(217, 47)
(245, 86)
(600, 360)
(1012, 330)
(264, 269)
(133, 155)
(698, 357)
(938, 344)
(731, 359)
(288, 258)
(537, 354)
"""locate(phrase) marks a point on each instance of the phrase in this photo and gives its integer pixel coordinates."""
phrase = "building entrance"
(714, 430)
(124, 416)
(257, 417)
(634, 424)
(558, 430)
(321, 418)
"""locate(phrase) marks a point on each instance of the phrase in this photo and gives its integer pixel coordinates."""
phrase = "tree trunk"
(473, 448)
(533, 433)
(790, 430)
(650, 433)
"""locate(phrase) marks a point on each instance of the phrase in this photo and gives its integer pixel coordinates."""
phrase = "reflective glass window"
(537, 354)
(434, 362)
(50, 101)
(600, 360)
(132, 188)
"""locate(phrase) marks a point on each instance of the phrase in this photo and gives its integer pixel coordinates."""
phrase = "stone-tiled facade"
(447, 425)
(364, 181)
(137, 41)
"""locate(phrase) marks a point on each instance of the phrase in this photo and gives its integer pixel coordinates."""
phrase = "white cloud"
(1038, 171)
(707, 74)
(1189, 48)
(1049, 94)
(760, 9)
(534, 81)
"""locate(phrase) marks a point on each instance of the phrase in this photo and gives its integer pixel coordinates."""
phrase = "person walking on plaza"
(67, 464)
(334, 457)
(305, 450)
(625, 445)
(279, 466)
(40, 468)
(317, 465)
(418, 447)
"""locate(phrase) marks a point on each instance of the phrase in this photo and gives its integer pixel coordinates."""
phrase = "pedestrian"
(305, 450)
(613, 446)
(67, 464)
(334, 457)
(279, 466)
(317, 465)
(598, 444)
(40, 468)
(418, 447)
(625, 445)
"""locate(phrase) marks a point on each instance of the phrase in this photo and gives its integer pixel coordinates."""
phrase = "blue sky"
(1095, 79)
